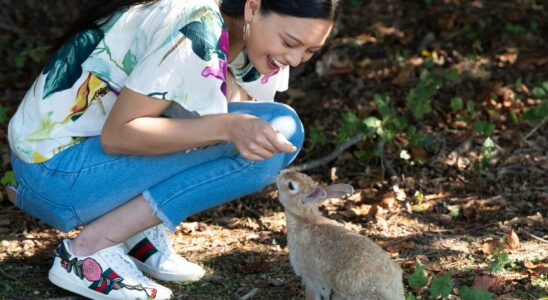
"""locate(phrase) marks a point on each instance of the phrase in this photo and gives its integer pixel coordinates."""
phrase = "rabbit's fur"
(334, 262)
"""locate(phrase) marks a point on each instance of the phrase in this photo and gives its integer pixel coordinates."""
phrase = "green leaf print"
(44, 129)
(66, 66)
(252, 75)
(129, 62)
(204, 37)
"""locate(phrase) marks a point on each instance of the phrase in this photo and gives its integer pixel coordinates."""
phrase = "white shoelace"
(161, 239)
(124, 266)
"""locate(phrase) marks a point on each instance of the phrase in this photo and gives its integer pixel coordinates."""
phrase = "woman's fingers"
(281, 144)
(261, 151)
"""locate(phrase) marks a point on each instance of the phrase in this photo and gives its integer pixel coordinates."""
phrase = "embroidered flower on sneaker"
(92, 270)
(101, 281)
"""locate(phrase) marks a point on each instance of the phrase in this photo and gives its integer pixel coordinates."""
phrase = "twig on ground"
(12, 277)
(539, 125)
(331, 156)
(7, 23)
(251, 294)
(393, 176)
(538, 238)
(462, 230)
(253, 212)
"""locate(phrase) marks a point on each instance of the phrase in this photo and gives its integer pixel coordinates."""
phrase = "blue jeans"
(82, 183)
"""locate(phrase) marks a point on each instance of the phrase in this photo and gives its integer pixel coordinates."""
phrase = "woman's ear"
(252, 8)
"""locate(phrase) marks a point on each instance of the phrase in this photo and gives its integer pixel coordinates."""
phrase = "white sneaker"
(152, 253)
(107, 274)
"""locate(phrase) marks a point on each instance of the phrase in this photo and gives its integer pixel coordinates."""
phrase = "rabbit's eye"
(293, 186)
(290, 186)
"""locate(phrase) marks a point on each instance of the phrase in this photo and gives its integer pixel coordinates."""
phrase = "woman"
(134, 123)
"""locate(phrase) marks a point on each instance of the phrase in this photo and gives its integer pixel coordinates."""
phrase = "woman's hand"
(256, 139)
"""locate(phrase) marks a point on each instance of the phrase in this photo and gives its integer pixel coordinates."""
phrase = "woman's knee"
(287, 121)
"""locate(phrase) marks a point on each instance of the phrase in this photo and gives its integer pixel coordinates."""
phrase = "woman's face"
(275, 41)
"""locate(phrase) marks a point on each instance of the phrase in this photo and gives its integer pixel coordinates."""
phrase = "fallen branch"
(539, 125)
(393, 176)
(538, 238)
(251, 294)
(12, 277)
(331, 156)
(463, 230)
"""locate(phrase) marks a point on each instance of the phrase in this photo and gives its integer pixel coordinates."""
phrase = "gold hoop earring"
(246, 31)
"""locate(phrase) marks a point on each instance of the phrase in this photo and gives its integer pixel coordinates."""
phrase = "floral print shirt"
(172, 50)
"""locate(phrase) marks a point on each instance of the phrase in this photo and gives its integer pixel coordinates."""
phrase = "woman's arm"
(134, 126)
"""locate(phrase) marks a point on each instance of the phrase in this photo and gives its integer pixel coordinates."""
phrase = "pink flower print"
(64, 263)
(92, 270)
(218, 72)
(266, 77)
(223, 41)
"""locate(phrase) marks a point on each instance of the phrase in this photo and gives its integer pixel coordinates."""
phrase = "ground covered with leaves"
(435, 111)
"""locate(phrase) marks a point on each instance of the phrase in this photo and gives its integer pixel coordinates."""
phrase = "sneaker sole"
(166, 276)
(69, 286)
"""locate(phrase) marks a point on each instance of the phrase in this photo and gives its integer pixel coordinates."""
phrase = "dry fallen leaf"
(388, 201)
(490, 246)
(492, 283)
(405, 77)
(334, 62)
(512, 240)
(536, 270)
(361, 210)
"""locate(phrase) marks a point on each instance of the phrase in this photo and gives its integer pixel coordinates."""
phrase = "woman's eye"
(287, 44)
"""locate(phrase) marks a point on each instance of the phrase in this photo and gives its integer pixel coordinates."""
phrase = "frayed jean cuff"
(158, 212)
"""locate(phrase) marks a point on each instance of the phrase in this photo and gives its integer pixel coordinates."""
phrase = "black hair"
(318, 9)
(97, 12)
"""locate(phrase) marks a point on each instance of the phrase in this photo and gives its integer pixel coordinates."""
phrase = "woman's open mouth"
(274, 63)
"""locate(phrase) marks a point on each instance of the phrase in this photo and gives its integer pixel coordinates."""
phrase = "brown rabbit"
(333, 262)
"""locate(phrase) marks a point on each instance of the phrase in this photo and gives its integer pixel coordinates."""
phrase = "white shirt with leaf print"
(172, 50)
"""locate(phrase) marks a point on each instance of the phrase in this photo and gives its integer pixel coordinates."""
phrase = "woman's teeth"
(278, 63)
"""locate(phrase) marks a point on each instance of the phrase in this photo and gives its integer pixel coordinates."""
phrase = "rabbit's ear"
(317, 194)
(330, 191)
(338, 190)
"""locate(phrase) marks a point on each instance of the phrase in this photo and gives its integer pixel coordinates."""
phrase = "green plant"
(410, 296)
(351, 124)
(500, 260)
(441, 286)
(484, 128)
(3, 114)
(317, 136)
(471, 34)
(467, 293)
(28, 48)
(514, 29)
(8, 179)
(454, 212)
(418, 279)
(457, 103)
(420, 97)
(487, 151)
(538, 112)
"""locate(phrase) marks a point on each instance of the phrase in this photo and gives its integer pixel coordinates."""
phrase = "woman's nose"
(295, 57)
